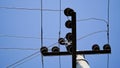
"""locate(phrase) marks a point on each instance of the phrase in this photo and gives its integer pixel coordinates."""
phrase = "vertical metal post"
(73, 40)
(70, 12)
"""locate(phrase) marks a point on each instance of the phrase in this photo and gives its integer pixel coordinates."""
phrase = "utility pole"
(81, 62)
(71, 42)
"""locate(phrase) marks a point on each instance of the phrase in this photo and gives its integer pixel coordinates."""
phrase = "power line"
(60, 10)
(56, 43)
(87, 19)
(22, 59)
(36, 9)
(53, 43)
(108, 31)
(25, 37)
(42, 58)
(33, 49)
(108, 8)
(108, 58)
(26, 61)
(85, 36)
(17, 63)
(92, 34)
(59, 30)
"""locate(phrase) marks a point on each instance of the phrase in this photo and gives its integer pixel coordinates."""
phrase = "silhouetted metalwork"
(69, 36)
(61, 41)
(95, 47)
(44, 50)
(55, 49)
(107, 47)
(68, 24)
(86, 52)
(68, 12)
(71, 42)
(69, 48)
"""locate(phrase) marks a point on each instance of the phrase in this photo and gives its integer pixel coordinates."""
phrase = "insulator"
(61, 41)
(69, 36)
(44, 49)
(55, 49)
(68, 24)
(95, 47)
(107, 47)
(69, 48)
(68, 11)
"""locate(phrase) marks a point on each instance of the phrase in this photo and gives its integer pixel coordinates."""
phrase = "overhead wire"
(92, 18)
(36, 9)
(42, 58)
(57, 42)
(100, 31)
(108, 20)
(20, 62)
(91, 34)
(85, 36)
(26, 61)
(32, 49)
(11, 65)
(52, 44)
(59, 31)
(25, 37)
(78, 20)
(108, 31)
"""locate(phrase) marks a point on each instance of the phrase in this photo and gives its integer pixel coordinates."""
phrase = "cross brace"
(88, 52)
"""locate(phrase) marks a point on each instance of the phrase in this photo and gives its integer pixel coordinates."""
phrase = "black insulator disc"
(68, 11)
(106, 47)
(68, 24)
(44, 50)
(95, 47)
(69, 36)
(55, 49)
(61, 41)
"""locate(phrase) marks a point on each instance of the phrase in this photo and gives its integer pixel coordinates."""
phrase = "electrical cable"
(42, 58)
(2, 35)
(17, 8)
(92, 18)
(108, 20)
(59, 31)
(33, 49)
(108, 31)
(108, 58)
(30, 37)
(19, 62)
(26, 61)
(52, 44)
(22, 59)
(56, 43)
(91, 34)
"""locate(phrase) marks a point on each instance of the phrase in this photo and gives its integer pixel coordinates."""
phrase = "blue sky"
(21, 29)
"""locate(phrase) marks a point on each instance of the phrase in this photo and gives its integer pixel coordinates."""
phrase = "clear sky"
(20, 31)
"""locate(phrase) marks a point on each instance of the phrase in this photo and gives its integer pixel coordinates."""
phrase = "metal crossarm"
(87, 52)
(71, 37)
